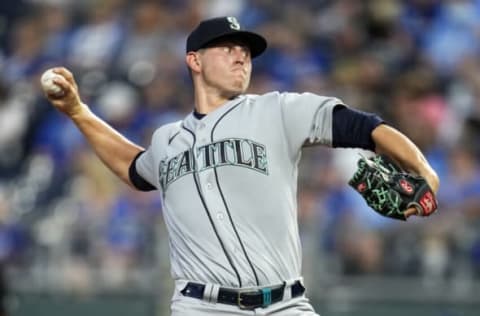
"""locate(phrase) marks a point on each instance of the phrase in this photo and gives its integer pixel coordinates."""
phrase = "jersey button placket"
(209, 180)
(202, 133)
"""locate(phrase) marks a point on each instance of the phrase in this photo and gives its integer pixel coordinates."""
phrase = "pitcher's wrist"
(78, 111)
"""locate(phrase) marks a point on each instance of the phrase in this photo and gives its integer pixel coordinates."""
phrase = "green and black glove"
(390, 191)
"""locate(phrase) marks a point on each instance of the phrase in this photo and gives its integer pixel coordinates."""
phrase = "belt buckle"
(239, 299)
(266, 298)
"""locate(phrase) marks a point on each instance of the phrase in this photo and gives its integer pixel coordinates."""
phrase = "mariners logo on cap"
(233, 23)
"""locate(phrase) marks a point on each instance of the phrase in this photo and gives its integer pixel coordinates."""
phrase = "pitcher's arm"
(115, 150)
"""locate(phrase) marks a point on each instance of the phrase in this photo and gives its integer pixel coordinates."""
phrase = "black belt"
(248, 299)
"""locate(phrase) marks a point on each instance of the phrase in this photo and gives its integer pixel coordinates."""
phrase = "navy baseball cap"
(226, 27)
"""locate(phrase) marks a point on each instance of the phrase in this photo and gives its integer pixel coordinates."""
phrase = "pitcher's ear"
(193, 61)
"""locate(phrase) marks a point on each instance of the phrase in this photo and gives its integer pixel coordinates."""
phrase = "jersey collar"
(192, 123)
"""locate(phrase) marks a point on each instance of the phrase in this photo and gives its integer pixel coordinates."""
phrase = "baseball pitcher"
(227, 174)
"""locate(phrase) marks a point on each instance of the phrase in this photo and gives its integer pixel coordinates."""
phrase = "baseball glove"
(389, 190)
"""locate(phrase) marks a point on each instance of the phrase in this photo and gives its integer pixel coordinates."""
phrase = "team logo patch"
(361, 187)
(234, 25)
(406, 186)
(428, 203)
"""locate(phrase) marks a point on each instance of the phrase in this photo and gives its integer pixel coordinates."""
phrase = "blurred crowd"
(66, 222)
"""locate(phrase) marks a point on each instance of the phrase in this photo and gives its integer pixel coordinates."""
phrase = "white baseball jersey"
(229, 186)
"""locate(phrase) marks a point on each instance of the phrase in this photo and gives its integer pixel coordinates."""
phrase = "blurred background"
(75, 241)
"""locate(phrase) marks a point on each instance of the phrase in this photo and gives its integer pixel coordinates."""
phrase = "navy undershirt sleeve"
(136, 179)
(353, 128)
(198, 115)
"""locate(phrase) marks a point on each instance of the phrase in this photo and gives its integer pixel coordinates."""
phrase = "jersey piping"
(171, 138)
(195, 179)
(225, 202)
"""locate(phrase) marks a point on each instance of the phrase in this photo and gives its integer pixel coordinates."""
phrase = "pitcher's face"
(226, 66)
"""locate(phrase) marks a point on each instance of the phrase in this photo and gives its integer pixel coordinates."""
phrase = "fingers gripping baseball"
(61, 90)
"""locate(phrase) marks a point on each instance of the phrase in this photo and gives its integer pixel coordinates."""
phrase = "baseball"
(48, 85)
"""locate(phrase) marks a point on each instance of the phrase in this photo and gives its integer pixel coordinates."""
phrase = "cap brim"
(255, 42)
